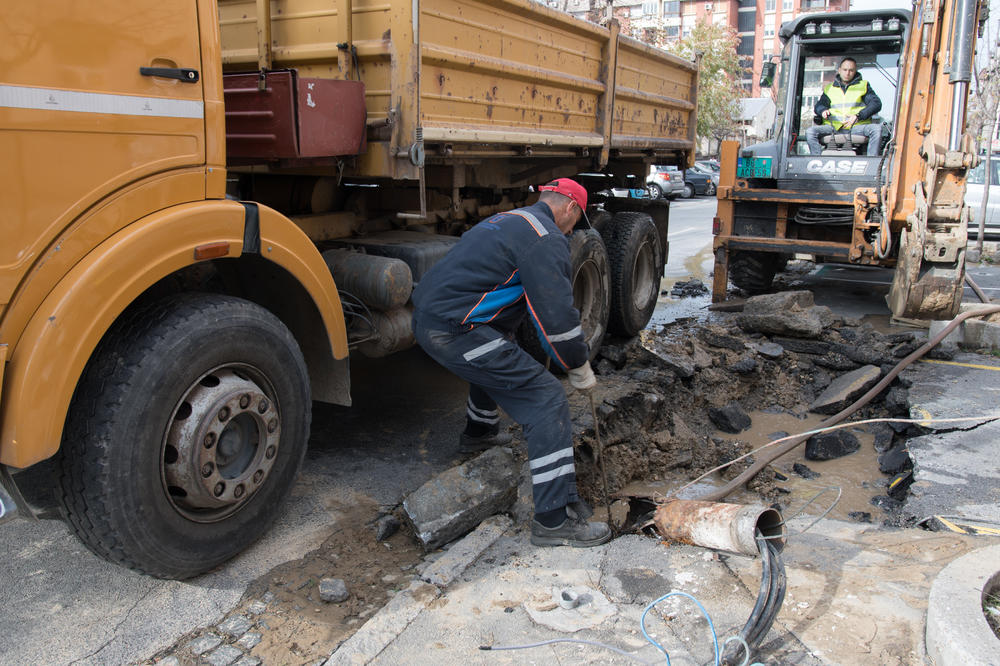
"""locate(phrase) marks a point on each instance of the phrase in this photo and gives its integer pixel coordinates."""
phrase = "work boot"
(476, 443)
(575, 531)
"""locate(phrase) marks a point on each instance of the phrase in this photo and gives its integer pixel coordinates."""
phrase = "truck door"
(79, 121)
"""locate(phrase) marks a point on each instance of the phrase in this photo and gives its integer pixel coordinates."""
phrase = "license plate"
(753, 167)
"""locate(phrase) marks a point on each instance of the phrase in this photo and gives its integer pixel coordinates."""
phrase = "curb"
(957, 632)
(382, 629)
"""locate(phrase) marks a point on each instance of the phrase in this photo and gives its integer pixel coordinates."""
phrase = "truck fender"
(43, 370)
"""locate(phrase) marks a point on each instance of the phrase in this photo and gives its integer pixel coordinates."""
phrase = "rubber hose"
(976, 289)
(767, 457)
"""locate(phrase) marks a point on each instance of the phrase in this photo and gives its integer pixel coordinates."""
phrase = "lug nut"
(238, 491)
(244, 400)
(263, 405)
(272, 425)
(206, 470)
(220, 488)
(209, 440)
(258, 475)
(223, 413)
(270, 452)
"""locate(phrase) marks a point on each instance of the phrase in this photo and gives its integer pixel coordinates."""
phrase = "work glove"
(582, 378)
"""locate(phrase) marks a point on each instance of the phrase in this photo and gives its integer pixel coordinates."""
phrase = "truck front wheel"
(185, 434)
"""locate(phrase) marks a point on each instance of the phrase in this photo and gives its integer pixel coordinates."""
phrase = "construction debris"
(458, 499)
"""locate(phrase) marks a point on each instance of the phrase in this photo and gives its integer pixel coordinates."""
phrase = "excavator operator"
(847, 104)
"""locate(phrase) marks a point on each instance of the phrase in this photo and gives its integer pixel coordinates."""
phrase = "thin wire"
(563, 640)
(839, 426)
(642, 624)
(840, 491)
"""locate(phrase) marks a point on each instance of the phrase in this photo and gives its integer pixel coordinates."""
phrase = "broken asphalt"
(857, 593)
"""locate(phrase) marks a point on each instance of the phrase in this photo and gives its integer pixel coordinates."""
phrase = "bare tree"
(984, 116)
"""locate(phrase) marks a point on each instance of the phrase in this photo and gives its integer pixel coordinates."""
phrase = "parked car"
(708, 172)
(974, 185)
(697, 182)
(664, 181)
(708, 165)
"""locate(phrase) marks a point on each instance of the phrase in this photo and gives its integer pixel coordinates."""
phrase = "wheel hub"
(220, 445)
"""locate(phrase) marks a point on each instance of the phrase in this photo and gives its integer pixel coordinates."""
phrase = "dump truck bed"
(475, 79)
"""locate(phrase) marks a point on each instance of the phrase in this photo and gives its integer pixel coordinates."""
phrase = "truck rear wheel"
(636, 268)
(590, 277)
(753, 272)
(185, 434)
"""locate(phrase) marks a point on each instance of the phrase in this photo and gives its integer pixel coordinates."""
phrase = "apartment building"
(756, 22)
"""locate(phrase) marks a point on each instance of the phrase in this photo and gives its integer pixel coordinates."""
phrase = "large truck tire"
(185, 434)
(636, 268)
(753, 272)
(589, 272)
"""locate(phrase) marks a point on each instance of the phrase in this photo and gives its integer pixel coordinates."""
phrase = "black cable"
(779, 585)
(732, 654)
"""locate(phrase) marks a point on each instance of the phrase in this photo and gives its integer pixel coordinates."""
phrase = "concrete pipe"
(729, 527)
(381, 283)
(395, 333)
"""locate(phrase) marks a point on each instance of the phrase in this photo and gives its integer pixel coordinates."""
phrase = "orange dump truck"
(207, 206)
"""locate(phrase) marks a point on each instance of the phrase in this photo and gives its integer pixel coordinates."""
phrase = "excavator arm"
(924, 200)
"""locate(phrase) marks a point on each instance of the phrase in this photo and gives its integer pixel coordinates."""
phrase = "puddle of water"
(670, 309)
(856, 474)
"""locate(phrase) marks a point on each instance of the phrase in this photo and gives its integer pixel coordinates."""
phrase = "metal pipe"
(729, 527)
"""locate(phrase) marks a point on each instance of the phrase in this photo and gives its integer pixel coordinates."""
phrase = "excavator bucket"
(926, 289)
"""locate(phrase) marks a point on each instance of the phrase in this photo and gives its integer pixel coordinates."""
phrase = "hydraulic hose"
(768, 457)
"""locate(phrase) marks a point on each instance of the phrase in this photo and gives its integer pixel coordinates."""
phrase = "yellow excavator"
(898, 204)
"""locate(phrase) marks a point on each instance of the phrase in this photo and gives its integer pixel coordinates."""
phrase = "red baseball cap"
(572, 189)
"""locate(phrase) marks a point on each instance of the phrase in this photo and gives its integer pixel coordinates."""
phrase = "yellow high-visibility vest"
(846, 103)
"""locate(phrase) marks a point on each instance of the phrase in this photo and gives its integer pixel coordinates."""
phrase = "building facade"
(660, 22)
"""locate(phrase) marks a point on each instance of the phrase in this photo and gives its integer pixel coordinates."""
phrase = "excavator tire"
(753, 272)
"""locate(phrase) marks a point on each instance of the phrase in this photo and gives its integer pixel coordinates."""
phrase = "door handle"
(179, 73)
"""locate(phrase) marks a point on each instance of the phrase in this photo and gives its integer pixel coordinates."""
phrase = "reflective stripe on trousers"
(499, 371)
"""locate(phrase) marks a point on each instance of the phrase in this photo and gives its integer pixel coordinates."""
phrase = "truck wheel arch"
(58, 341)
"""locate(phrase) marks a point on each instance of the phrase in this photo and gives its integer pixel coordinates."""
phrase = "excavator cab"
(878, 64)
(814, 47)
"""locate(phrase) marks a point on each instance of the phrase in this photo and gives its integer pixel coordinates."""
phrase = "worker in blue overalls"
(467, 308)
